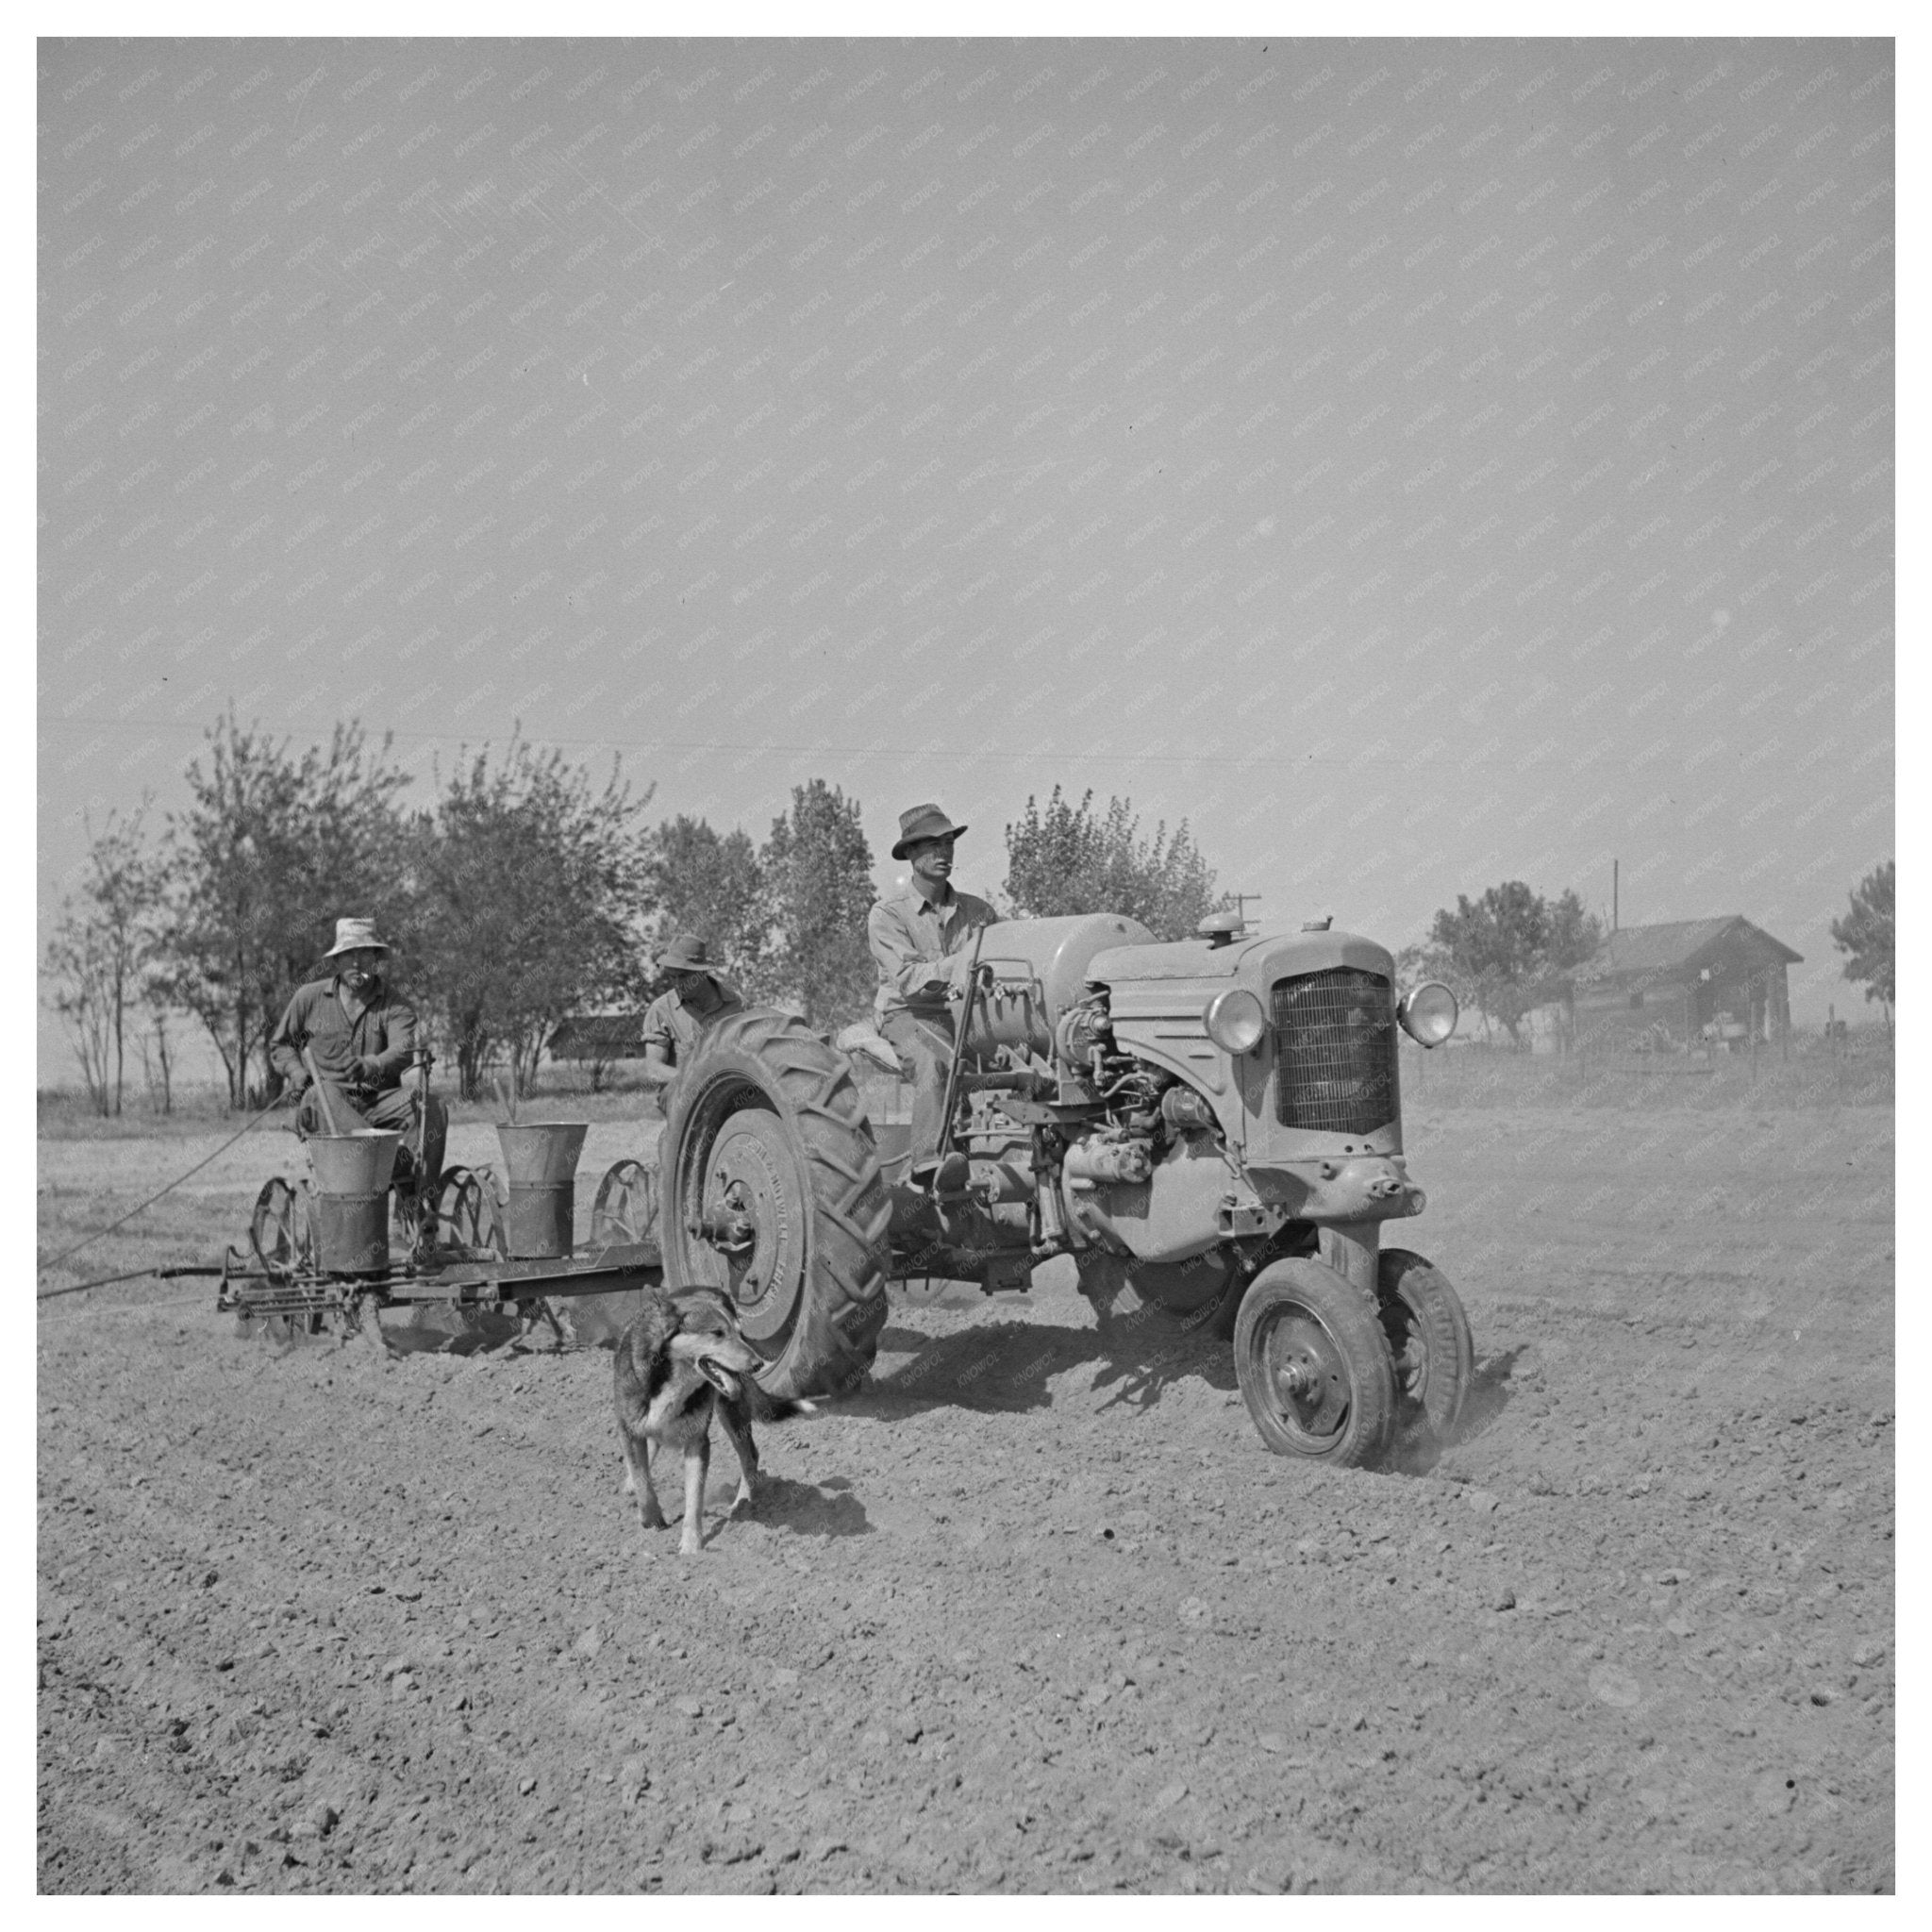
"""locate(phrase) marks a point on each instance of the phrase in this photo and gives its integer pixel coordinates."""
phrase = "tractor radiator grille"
(1335, 1052)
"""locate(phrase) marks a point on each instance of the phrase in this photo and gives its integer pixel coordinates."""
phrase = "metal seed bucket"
(541, 1164)
(352, 1178)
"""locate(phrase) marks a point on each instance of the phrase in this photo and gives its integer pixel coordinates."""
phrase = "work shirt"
(908, 934)
(672, 1028)
(385, 1031)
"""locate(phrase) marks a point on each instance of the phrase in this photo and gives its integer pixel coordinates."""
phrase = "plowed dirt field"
(1031, 1614)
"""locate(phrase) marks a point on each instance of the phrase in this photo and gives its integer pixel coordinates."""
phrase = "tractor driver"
(674, 1020)
(362, 1040)
(922, 941)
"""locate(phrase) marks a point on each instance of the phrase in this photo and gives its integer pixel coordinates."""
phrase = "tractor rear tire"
(765, 1123)
(1313, 1365)
(1430, 1341)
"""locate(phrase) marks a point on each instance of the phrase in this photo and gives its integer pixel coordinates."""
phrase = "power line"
(924, 752)
(1266, 756)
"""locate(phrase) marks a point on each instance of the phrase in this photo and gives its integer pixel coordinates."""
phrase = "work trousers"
(925, 1043)
(399, 1107)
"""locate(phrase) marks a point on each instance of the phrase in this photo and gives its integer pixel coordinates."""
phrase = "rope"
(47, 1294)
(253, 1121)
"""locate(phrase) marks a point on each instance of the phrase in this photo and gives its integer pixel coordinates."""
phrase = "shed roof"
(599, 1036)
(1681, 942)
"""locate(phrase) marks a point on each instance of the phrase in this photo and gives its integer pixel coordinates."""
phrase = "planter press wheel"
(282, 1229)
(626, 1210)
(1429, 1342)
(772, 1193)
(624, 1215)
(466, 1213)
(1313, 1365)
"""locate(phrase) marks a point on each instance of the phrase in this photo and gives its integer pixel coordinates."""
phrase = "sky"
(1416, 464)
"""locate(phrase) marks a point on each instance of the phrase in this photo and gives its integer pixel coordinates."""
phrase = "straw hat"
(356, 935)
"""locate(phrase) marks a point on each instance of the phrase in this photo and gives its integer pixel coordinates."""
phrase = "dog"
(682, 1360)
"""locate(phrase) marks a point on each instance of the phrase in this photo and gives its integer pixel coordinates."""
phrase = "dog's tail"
(773, 1409)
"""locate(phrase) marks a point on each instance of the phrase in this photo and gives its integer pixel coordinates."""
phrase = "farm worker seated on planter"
(674, 1020)
(923, 942)
(364, 1042)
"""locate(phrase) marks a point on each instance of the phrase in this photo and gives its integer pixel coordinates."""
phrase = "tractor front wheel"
(1313, 1365)
(1429, 1341)
(772, 1193)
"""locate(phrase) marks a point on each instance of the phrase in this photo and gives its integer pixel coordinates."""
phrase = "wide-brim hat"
(356, 935)
(923, 822)
(687, 953)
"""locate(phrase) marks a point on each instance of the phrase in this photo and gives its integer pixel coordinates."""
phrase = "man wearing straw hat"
(674, 1020)
(922, 940)
(361, 1040)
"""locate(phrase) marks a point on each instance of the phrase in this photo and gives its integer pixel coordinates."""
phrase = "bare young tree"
(101, 950)
(158, 1050)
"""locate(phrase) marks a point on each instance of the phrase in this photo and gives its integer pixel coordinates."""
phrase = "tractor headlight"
(1428, 1012)
(1235, 1020)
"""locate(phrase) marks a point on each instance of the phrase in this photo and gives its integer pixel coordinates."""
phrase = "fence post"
(1751, 1006)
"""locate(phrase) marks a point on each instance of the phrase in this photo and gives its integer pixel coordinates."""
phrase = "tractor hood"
(1282, 1100)
(1256, 963)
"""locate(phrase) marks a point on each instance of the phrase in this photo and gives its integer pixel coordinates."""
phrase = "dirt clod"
(915, 1667)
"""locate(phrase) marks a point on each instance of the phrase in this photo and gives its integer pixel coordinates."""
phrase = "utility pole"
(1240, 899)
(1614, 895)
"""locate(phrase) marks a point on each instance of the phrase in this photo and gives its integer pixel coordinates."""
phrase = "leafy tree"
(529, 884)
(1514, 950)
(102, 949)
(1065, 859)
(271, 851)
(1574, 936)
(710, 885)
(1865, 935)
(816, 869)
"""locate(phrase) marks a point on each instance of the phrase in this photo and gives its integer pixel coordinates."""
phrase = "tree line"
(526, 891)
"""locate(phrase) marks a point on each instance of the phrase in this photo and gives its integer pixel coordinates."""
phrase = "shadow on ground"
(1010, 1366)
(815, 1509)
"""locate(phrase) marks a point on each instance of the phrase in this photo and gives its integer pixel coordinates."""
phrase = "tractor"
(1210, 1128)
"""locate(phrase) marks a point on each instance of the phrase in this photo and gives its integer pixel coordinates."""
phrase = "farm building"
(1719, 980)
(600, 1037)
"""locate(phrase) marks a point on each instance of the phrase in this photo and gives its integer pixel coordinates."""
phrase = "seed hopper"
(455, 1263)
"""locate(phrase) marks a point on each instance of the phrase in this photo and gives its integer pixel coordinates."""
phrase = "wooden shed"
(600, 1037)
(1695, 981)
